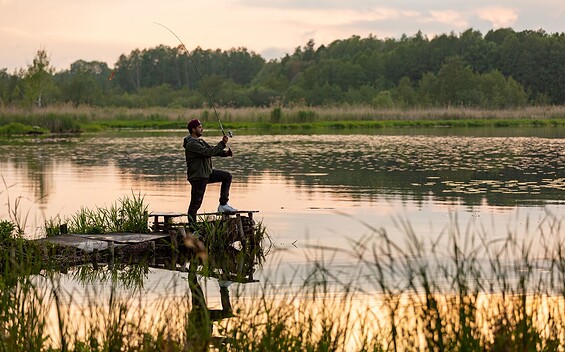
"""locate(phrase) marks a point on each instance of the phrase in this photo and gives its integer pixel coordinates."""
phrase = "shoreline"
(68, 119)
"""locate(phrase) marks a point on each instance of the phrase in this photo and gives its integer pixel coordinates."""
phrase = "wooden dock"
(163, 221)
(101, 242)
(166, 246)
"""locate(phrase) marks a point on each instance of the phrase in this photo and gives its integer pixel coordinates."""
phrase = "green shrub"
(7, 229)
(276, 115)
(306, 116)
(15, 128)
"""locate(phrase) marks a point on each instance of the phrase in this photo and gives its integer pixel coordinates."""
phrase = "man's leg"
(196, 197)
(225, 178)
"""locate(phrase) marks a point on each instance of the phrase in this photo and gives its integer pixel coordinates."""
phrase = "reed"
(128, 214)
(465, 290)
(68, 119)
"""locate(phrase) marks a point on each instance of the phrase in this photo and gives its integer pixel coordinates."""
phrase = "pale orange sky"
(102, 30)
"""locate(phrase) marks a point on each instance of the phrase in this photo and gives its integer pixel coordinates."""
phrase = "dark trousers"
(199, 188)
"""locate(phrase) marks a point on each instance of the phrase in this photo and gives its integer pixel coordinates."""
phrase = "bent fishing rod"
(230, 134)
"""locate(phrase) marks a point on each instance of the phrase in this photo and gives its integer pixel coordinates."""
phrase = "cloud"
(450, 17)
(498, 16)
(339, 17)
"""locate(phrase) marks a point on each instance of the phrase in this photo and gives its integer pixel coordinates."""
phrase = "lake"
(310, 190)
(318, 195)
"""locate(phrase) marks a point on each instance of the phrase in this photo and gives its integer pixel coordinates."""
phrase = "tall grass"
(51, 121)
(128, 214)
(465, 290)
(70, 119)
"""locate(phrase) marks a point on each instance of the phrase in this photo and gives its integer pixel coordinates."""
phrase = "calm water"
(312, 191)
(326, 190)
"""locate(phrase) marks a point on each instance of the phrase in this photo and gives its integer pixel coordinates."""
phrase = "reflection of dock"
(227, 247)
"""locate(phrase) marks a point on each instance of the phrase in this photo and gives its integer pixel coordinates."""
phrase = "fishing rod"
(230, 134)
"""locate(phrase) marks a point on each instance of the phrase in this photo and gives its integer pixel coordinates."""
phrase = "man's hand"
(225, 139)
(229, 152)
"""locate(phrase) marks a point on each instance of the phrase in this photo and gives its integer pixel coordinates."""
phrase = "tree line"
(501, 69)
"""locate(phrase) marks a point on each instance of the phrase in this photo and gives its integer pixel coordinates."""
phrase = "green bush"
(7, 229)
(276, 115)
(15, 128)
(306, 116)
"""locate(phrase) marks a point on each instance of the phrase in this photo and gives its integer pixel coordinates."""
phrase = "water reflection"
(394, 293)
(222, 254)
(496, 170)
(309, 189)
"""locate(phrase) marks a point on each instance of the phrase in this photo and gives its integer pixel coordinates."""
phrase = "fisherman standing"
(199, 171)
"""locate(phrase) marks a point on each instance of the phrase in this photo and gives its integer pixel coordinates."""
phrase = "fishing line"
(230, 134)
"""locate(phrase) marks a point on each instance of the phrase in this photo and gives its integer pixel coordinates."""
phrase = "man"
(199, 169)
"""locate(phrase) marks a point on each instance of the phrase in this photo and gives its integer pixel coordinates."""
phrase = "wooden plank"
(166, 213)
(126, 237)
(85, 244)
(100, 242)
(232, 213)
(176, 215)
(164, 224)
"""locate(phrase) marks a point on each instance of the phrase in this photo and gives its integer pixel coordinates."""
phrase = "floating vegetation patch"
(504, 170)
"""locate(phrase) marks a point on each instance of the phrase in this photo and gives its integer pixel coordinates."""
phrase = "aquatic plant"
(7, 230)
(128, 214)
(465, 290)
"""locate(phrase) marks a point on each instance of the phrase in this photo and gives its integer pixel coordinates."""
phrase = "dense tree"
(37, 79)
(272, 75)
(242, 66)
(8, 83)
(128, 71)
(404, 94)
(343, 74)
(504, 68)
(84, 83)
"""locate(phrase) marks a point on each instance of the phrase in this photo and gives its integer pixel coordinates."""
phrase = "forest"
(502, 69)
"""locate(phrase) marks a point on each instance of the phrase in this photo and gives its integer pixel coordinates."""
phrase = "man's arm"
(204, 150)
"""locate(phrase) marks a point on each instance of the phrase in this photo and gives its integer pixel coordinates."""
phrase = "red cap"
(193, 124)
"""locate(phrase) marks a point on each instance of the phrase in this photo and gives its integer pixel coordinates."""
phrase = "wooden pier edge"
(163, 221)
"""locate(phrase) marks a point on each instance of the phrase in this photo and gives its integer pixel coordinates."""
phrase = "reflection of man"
(199, 170)
(200, 317)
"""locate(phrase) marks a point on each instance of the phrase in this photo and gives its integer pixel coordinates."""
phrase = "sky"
(102, 30)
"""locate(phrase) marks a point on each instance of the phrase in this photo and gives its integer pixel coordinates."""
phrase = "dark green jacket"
(199, 155)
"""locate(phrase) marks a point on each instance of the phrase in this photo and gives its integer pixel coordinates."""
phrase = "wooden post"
(174, 242)
(240, 265)
(239, 225)
(95, 258)
(174, 245)
(153, 250)
(111, 249)
(155, 223)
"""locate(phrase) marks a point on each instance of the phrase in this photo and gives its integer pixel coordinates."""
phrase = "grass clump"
(16, 128)
(25, 122)
(128, 214)
(7, 231)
